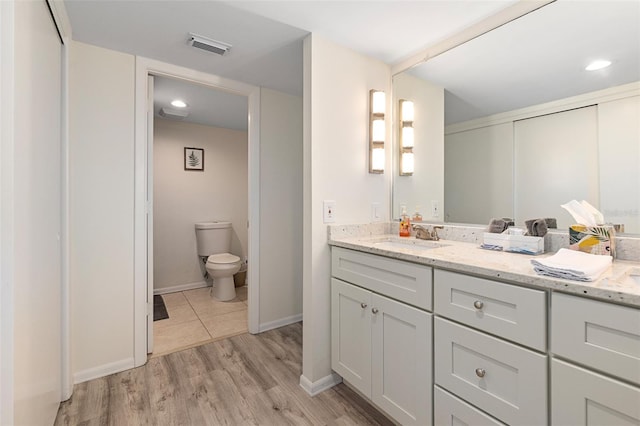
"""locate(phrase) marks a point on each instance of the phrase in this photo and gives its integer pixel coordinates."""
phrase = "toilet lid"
(223, 258)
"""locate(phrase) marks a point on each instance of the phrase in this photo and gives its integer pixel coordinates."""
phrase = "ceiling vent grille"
(208, 44)
(174, 114)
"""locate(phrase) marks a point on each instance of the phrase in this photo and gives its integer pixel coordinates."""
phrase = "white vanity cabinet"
(595, 373)
(489, 371)
(382, 346)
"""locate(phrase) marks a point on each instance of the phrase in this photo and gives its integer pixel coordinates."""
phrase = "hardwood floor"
(243, 380)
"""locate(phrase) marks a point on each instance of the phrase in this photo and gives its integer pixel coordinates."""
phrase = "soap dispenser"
(405, 223)
(417, 216)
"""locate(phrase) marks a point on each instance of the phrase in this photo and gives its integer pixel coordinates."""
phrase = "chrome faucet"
(424, 233)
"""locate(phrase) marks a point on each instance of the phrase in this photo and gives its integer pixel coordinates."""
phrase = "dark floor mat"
(159, 308)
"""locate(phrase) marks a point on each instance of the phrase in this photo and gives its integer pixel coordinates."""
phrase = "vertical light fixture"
(377, 131)
(406, 137)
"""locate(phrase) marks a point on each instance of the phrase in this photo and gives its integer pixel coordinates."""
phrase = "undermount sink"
(408, 244)
(629, 279)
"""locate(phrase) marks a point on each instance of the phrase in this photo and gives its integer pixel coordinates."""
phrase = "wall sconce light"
(406, 138)
(377, 131)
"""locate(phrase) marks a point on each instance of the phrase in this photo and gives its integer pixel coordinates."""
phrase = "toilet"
(214, 242)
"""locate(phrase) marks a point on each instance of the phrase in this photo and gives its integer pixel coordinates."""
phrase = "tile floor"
(195, 318)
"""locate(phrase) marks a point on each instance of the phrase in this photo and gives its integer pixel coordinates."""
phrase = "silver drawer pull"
(478, 304)
(480, 372)
(363, 305)
(374, 310)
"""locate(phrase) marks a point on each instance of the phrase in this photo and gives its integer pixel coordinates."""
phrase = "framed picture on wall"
(194, 159)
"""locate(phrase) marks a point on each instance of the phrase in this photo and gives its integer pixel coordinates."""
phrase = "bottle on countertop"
(417, 216)
(405, 223)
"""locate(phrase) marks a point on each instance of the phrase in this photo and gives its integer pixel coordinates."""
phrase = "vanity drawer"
(515, 313)
(502, 379)
(581, 397)
(597, 334)
(452, 411)
(404, 281)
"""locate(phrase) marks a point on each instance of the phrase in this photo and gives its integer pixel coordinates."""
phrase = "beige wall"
(182, 198)
(101, 126)
(102, 210)
(280, 208)
(336, 100)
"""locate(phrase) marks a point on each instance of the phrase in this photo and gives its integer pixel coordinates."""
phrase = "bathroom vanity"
(447, 333)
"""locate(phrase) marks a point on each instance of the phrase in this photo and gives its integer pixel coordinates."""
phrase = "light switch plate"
(376, 215)
(329, 211)
(435, 208)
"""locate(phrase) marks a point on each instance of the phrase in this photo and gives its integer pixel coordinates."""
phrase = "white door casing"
(144, 68)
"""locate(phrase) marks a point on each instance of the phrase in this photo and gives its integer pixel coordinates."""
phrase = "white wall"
(336, 96)
(101, 130)
(182, 198)
(281, 208)
(427, 182)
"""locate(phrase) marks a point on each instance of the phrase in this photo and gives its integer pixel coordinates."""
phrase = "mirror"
(510, 124)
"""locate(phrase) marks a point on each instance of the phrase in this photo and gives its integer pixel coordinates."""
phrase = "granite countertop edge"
(510, 267)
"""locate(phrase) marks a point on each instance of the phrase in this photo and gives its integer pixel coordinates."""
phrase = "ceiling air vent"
(176, 114)
(209, 45)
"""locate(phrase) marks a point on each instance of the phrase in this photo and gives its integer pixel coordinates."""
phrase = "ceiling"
(266, 37)
(205, 106)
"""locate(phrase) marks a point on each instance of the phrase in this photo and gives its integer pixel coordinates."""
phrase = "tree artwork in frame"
(194, 159)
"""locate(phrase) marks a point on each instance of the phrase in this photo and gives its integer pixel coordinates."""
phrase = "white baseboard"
(181, 287)
(279, 323)
(103, 370)
(314, 388)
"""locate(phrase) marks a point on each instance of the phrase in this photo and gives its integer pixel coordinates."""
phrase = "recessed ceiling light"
(178, 103)
(597, 65)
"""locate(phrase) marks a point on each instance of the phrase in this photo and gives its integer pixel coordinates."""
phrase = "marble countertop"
(620, 283)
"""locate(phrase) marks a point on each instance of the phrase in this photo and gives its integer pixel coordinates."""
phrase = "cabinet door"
(581, 397)
(351, 334)
(401, 360)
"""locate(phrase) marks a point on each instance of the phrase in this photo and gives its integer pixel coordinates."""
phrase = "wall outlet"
(435, 208)
(329, 211)
(376, 214)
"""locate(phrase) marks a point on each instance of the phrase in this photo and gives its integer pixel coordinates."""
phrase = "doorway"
(143, 298)
(199, 174)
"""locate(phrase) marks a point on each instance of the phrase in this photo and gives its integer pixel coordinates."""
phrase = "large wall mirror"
(510, 124)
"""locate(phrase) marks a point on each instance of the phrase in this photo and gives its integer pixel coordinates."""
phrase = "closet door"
(37, 215)
(555, 160)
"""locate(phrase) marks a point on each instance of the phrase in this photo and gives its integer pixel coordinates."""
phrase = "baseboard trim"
(181, 287)
(103, 370)
(279, 323)
(314, 388)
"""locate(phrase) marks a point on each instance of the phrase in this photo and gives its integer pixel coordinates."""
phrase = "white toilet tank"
(213, 237)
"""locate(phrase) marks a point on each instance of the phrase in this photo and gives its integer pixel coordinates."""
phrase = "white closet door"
(37, 215)
(556, 160)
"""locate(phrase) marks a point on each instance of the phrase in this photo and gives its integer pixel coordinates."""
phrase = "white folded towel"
(572, 265)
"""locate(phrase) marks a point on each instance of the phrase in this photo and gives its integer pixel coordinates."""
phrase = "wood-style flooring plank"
(243, 380)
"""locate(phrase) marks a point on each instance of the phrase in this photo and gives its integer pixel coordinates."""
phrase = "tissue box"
(514, 243)
(593, 239)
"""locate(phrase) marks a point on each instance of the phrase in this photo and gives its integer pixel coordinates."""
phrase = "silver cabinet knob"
(478, 304)
(363, 305)
(480, 372)
(374, 310)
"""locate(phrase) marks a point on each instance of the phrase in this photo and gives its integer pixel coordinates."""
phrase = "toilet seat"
(223, 259)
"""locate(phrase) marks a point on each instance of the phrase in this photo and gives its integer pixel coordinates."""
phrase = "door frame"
(142, 252)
